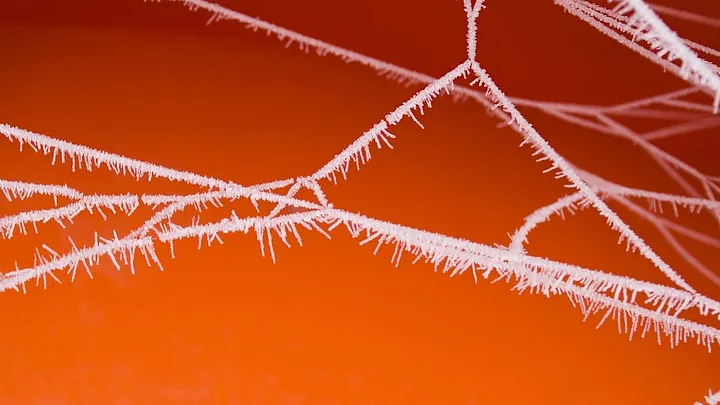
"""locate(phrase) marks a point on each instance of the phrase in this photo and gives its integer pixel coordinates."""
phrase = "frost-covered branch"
(125, 203)
(359, 151)
(564, 169)
(609, 190)
(600, 119)
(666, 47)
(87, 256)
(686, 15)
(456, 256)
(711, 399)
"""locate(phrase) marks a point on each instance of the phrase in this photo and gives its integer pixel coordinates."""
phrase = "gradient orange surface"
(329, 323)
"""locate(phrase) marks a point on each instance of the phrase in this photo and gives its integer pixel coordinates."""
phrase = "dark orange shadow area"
(329, 323)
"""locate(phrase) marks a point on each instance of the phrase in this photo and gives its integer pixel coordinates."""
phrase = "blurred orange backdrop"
(329, 323)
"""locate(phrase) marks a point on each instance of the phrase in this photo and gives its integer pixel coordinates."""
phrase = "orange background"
(329, 323)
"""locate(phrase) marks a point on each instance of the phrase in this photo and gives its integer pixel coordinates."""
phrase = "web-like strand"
(637, 306)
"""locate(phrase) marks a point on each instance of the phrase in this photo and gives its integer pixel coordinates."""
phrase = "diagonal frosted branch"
(659, 221)
(681, 129)
(680, 249)
(669, 163)
(686, 15)
(667, 44)
(23, 190)
(688, 105)
(87, 256)
(389, 70)
(622, 23)
(306, 43)
(126, 203)
(572, 8)
(630, 318)
(359, 150)
(660, 98)
(542, 147)
(206, 197)
(616, 192)
(611, 190)
(177, 203)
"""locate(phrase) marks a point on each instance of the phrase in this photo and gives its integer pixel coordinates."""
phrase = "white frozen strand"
(660, 98)
(272, 185)
(350, 153)
(412, 237)
(711, 398)
(683, 128)
(125, 203)
(661, 222)
(308, 183)
(686, 105)
(662, 323)
(704, 49)
(622, 23)
(686, 15)
(86, 256)
(306, 43)
(230, 193)
(435, 248)
(23, 190)
(426, 95)
(359, 150)
(116, 163)
(539, 216)
(677, 246)
(572, 8)
(613, 219)
(669, 163)
(406, 76)
(403, 75)
(694, 205)
(234, 224)
(666, 42)
(471, 12)
(319, 194)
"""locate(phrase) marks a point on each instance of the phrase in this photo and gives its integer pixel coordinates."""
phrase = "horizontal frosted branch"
(691, 203)
(23, 190)
(88, 158)
(126, 203)
(457, 254)
(212, 197)
(629, 318)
